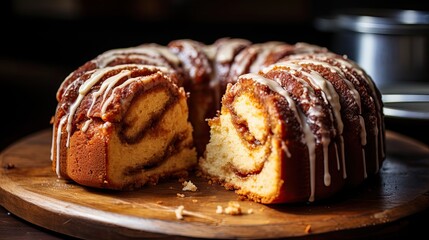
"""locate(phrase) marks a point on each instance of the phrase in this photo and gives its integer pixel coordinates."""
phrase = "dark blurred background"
(43, 41)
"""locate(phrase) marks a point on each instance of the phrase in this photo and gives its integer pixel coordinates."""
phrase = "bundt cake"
(277, 122)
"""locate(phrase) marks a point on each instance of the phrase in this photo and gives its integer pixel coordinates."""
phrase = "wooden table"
(15, 228)
(401, 220)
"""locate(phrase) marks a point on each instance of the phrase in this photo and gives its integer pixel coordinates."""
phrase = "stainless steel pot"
(391, 45)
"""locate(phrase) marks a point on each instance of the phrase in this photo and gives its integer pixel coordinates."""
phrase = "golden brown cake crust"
(86, 163)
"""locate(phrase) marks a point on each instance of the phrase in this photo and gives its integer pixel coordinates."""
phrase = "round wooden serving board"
(32, 191)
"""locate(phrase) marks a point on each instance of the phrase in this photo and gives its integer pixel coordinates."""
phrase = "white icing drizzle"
(58, 144)
(189, 48)
(355, 94)
(63, 83)
(363, 134)
(320, 83)
(86, 125)
(327, 89)
(83, 90)
(325, 139)
(165, 52)
(345, 66)
(242, 60)
(274, 86)
(327, 176)
(331, 68)
(337, 157)
(333, 99)
(379, 129)
(311, 145)
(104, 89)
(192, 49)
(264, 49)
(102, 62)
(323, 57)
(331, 96)
(154, 52)
(222, 53)
(210, 51)
(72, 111)
(225, 52)
(127, 82)
(348, 65)
(317, 80)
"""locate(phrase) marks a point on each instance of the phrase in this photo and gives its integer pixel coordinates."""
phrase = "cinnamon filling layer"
(252, 141)
(173, 147)
(242, 127)
(255, 171)
(132, 132)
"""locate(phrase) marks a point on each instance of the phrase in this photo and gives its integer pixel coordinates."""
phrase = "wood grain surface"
(32, 191)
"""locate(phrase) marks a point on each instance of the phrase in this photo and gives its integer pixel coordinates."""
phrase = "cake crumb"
(233, 208)
(159, 202)
(194, 200)
(180, 195)
(219, 209)
(308, 228)
(179, 212)
(170, 188)
(189, 186)
(250, 211)
(210, 182)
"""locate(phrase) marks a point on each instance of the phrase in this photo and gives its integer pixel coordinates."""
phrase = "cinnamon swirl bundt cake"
(274, 121)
